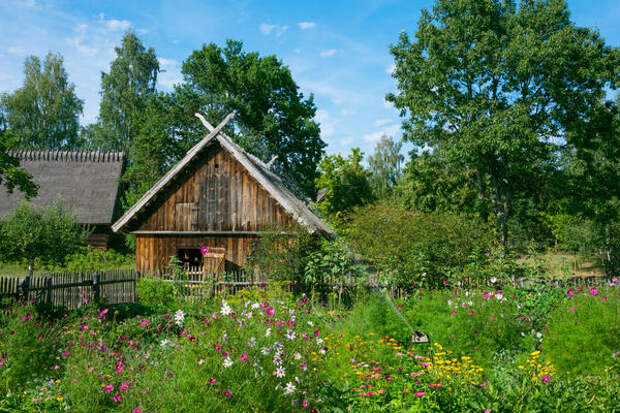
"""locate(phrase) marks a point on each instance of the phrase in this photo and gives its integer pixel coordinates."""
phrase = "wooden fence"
(71, 290)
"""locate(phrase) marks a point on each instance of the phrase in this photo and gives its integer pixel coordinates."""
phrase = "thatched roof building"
(86, 182)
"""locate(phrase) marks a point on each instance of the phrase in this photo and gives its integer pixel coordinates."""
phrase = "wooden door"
(214, 262)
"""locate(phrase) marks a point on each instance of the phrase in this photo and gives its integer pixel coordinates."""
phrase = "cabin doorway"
(190, 257)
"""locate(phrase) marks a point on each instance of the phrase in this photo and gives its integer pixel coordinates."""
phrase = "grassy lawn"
(563, 265)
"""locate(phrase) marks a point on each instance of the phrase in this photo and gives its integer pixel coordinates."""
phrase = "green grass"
(564, 265)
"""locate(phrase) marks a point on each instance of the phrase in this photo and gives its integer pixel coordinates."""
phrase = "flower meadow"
(264, 349)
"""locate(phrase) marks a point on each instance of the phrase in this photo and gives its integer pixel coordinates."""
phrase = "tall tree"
(493, 85)
(124, 93)
(11, 175)
(346, 181)
(385, 165)
(44, 112)
(273, 117)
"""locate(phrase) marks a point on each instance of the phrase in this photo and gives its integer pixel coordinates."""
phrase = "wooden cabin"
(87, 183)
(218, 196)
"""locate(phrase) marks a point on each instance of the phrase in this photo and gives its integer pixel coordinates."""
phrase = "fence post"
(25, 288)
(96, 286)
(135, 286)
(48, 287)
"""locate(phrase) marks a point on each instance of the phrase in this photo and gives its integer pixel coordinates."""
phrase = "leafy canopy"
(44, 112)
(273, 117)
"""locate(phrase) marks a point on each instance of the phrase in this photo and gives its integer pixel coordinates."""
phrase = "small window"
(190, 257)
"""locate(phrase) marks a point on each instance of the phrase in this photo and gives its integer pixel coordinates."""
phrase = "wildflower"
(125, 385)
(279, 372)
(277, 360)
(290, 388)
(225, 310)
(493, 280)
(244, 357)
(179, 317)
(305, 403)
(164, 343)
(212, 380)
(228, 394)
(420, 394)
(499, 295)
(204, 251)
(290, 334)
(270, 312)
(317, 332)
(603, 299)
(60, 398)
(303, 366)
(571, 292)
(137, 410)
(434, 385)
(144, 323)
(487, 411)
(251, 342)
(453, 312)
(545, 378)
(572, 309)
(593, 291)
(268, 332)
(57, 367)
(265, 350)
(227, 362)
(108, 388)
(297, 356)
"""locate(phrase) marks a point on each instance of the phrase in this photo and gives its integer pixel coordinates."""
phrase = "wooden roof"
(86, 182)
(255, 167)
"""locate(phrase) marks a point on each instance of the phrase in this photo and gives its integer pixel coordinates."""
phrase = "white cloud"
(114, 24)
(390, 69)
(79, 41)
(327, 124)
(381, 122)
(16, 50)
(306, 25)
(297, 51)
(142, 31)
(170, 74)
(338, 95)
(267, 29)
(328, 52)
(376, 136)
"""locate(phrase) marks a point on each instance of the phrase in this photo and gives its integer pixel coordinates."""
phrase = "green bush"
(90, 259)
(420, 248)
(155, 293)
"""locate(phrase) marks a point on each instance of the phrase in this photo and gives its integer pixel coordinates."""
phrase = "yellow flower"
(59, 398)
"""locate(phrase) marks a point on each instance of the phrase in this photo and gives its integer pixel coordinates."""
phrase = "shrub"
(421, 248)
(155, 293)
(90, 259)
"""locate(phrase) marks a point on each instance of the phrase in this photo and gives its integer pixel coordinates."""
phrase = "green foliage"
(11, 175)
(346, 181)
(586, 325)
(419, 248)
(90, 259)
(385, 165)
(492, 100)
(272, 117)
(332, 263)
(281, 253)
(49, 234)
(44, 112)
(124, 93)
(155, 293)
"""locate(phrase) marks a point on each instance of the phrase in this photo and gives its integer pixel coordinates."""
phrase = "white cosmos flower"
(290, 388)
(252, 342)
(499, 296)
(265, 350)
(297, 356)
(310, 323)
(179, 317)
(225, 310)
(290, 334)
(165, 343)
(255, 306)
(279, 372)
(449, 303)
(268, 332)
(319, 340)
(249, 315)
(227, 362)
(277, 360)
(538, 335)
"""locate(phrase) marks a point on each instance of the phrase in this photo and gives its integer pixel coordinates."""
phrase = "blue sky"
(337, 50)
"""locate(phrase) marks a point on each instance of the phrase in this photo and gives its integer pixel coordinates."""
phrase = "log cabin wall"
(219, 196)
(215, 194)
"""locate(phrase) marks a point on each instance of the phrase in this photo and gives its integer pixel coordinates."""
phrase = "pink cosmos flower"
(545, 378)
(317, 332)
(57, 367)
(471, 312)
(144, 323)
(487, 411)
(108, 388)
(305, 403)
(270, 311)
(117, 397)
(137, 410)
(244, 357)
(572, 309)
(571, 292)
(420, 394)
(434, 385)
(593, 291)
(125, 385)
(212, 380)
(603, 299)
(453, 312)
(228, 394)
(204, 250)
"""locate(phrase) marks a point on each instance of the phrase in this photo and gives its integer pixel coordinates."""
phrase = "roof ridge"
(69, 156)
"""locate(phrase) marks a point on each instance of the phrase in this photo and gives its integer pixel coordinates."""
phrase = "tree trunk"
(502, 205)
(30, 266)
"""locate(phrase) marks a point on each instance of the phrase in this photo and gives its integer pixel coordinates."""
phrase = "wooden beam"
(200, 232)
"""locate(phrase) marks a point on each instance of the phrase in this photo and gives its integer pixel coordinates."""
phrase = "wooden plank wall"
(153, 251)
(218, 195)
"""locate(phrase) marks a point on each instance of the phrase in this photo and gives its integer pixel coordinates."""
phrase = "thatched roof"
(257, 169)
(86, 182)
